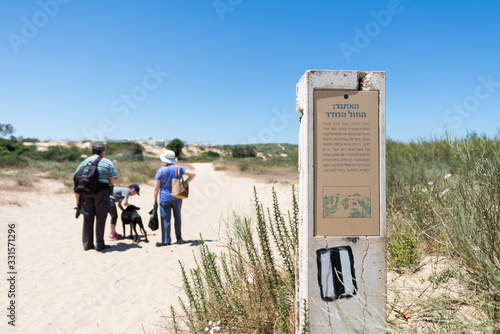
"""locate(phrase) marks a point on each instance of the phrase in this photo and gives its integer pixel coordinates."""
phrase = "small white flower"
(214, 327)
(424, 190)
(447, 176)
(430, 183)
(444, 192)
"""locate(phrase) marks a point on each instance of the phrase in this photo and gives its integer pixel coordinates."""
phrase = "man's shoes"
(115, 237)
(161, 244)
(78, 212)
(103, 248)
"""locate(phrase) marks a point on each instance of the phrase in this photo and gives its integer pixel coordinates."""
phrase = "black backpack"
(86, 179)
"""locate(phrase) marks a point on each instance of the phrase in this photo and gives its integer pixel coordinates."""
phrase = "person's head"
(134, 189)
(168, 157)
(98, 149)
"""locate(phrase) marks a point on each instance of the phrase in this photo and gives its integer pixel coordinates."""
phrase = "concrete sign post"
(342, 228)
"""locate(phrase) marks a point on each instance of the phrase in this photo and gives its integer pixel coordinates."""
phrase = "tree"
(6, 129)
(176, 145)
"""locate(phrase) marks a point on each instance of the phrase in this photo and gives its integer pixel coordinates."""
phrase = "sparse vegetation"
(248, 288)
(206, 156)
(442, 198)
(445, 205)
(60, 162)
(266, 149)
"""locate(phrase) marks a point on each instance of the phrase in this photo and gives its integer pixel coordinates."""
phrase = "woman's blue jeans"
(166, 209)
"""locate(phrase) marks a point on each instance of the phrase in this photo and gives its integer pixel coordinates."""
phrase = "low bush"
(262, 166)
(25, 181)
(249, 289)
(243, 151)
(124, 151)
(59, 153)
(207, 156)
(13, 161)
(402, 249)
(136, 171)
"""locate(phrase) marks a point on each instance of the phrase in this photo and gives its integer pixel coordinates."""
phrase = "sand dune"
(127, 288)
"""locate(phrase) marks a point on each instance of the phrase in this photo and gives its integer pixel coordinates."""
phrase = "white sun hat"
(168, 156)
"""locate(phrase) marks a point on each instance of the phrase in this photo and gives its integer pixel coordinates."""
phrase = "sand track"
(62, 289)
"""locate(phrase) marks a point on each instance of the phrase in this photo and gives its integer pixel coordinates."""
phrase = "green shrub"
(25, 181)
(402, 250)
(246, 151)
(210, 154)
(136, 171)
(30, 140)
(13, 161)
(243, 165)
(276, 165)
(207, 156)
(248, 289)
(124, 151)
(15, 148)
(8, 146)
(62, 170)
(59, 153)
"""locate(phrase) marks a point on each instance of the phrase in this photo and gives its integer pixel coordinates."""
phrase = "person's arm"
(157, 190)
(190, 175)
(77, 196)
(113, 175)
(125, 203)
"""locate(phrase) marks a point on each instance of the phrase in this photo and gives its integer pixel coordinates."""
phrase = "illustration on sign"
(336, 273)
(346, 202)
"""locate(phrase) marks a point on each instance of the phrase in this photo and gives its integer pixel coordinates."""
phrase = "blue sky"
(225, 71)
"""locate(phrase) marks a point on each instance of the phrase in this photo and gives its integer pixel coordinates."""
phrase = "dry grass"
(17, 185)
(268, 174)
(431, 299)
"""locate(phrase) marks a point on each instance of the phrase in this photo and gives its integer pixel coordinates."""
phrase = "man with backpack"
(92, 180)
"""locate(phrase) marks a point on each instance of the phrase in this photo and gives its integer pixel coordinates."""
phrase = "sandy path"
(62, 289)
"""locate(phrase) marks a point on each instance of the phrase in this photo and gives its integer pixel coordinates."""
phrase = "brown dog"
(131, 217)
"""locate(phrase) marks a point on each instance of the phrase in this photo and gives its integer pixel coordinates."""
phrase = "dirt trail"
(62, 289)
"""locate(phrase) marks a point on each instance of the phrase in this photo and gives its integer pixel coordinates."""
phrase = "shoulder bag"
(180, 188)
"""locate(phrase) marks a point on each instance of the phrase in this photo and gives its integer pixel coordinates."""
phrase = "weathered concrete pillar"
(342, 231)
